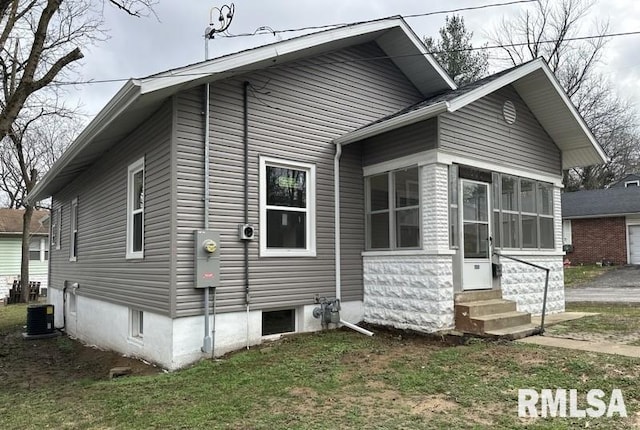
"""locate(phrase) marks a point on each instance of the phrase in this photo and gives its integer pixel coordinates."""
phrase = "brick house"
(603, 225)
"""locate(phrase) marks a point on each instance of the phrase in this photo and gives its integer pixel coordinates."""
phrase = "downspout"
(336, 222)
(245, 139)
(207, 343)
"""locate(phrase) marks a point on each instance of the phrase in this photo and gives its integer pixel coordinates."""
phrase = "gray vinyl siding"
(401, 142)
(294, 114)
(479, 130)
(101, 269)
(352, 233)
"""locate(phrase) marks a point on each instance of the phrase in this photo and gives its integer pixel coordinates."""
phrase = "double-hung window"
(393, 210)
(287, 208)
(73, 236)
(135, 210)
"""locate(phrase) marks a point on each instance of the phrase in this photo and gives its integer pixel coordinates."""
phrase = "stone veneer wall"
(415, 290)
(409, 292)
(525, 284)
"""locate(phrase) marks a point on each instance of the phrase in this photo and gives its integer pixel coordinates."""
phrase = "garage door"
(634, 244)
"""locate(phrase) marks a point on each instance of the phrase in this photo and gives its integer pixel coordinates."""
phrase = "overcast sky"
(140, 47)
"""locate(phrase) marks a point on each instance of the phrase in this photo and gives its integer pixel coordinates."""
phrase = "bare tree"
(545, 32)
(40, 41)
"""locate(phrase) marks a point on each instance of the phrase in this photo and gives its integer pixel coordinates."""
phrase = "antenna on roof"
(217, 24)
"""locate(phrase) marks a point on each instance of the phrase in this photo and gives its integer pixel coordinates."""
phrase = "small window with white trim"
(287, 208)
(136, 318)
(632, 184)
(55, 228)
(73, 237)
(135, 210)
(393, 210)
(38, 249)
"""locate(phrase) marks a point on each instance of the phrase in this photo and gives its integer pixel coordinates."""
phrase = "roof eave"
(123, 98)
(393, 123)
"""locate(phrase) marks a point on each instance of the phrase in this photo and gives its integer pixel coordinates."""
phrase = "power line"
(357, 60)
(415, 15)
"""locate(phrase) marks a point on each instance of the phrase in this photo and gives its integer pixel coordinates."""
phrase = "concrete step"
(477, 295)
(501, 321)
(485, 307)
(514, 333)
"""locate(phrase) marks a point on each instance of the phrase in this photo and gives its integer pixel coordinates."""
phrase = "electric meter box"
(206, 258)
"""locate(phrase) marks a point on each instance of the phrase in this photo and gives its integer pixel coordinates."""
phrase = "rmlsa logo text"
(546, 403)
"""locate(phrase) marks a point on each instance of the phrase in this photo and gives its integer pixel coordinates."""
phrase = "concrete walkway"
(553, 319)
(582, 345)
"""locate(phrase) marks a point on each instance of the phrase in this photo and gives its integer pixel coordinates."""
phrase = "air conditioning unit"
(246, 231)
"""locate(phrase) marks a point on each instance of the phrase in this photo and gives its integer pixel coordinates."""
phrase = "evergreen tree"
(453, 52)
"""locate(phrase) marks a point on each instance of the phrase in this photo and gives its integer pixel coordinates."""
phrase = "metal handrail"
(546, 284)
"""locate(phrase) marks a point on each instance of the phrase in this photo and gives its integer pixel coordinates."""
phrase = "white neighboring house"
(11, 247)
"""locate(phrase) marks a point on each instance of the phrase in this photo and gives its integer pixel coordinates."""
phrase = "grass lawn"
(332, 380)
(575, 276)
(615, 322)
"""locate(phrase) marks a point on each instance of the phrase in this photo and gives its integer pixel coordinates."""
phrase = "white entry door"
(634, 244)
(476, 271)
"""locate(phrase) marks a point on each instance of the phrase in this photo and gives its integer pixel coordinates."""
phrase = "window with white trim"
(38, 249)
(287, 208)
(55, 228)
(393, 210)
(135, 210)
(73, 237)
(523, 213)
(632, 184)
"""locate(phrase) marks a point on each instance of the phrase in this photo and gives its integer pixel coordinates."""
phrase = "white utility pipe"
(356, 328)
(336, 209)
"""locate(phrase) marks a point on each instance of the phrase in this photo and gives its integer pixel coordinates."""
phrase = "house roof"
(11, 222)
(138, 98)
(601, 203)
(539, 89)
(633, 177)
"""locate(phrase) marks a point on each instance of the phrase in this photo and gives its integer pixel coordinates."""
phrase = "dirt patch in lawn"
(28, 364)
(306, 400)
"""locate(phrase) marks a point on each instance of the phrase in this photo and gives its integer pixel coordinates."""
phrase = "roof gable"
(139, 97)
(536, 85)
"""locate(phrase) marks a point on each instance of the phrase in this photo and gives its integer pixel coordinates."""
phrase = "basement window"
(278, 322)
(137, 324)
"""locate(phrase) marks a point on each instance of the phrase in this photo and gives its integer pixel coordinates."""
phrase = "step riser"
(480, 309)
(476, 296)
(501, 323)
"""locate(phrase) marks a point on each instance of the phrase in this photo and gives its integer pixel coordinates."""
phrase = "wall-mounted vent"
(509, 112)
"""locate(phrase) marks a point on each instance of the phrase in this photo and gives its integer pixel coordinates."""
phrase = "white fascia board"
(232, 62)
(520, 72)
(119, 103)
(393, 123)
(423, 49)
(494, 85)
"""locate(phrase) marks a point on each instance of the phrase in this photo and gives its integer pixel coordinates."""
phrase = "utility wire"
(356, 60)
(415, 15)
